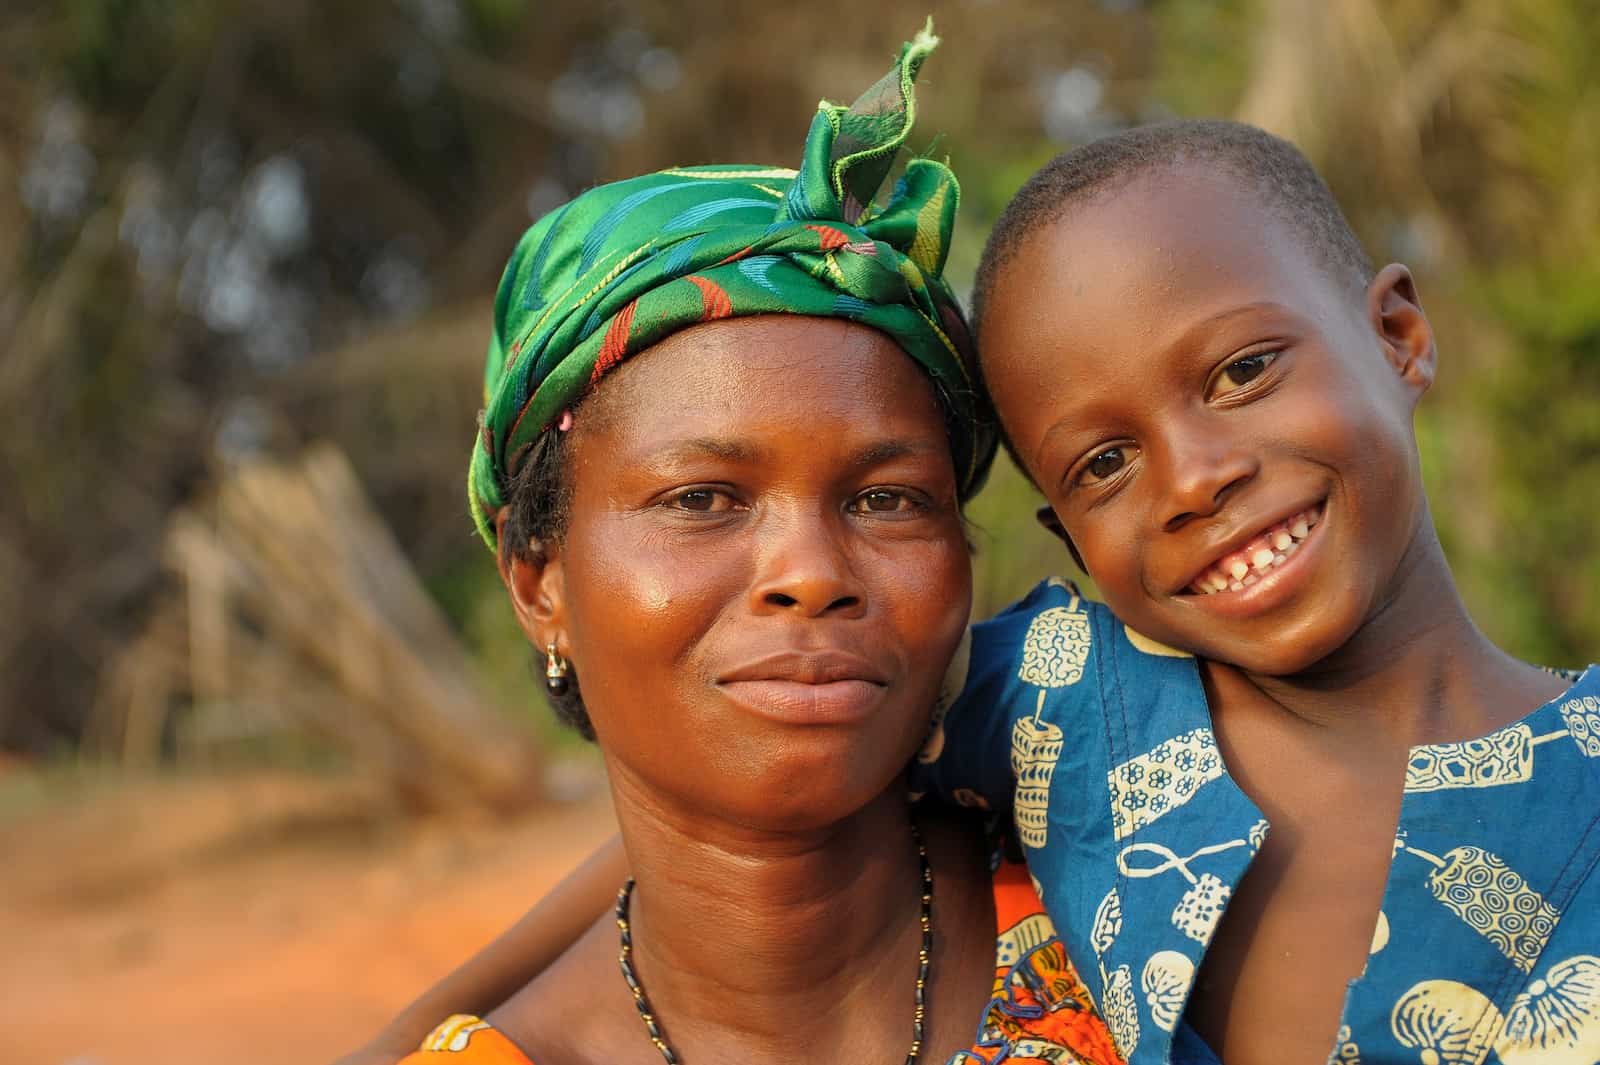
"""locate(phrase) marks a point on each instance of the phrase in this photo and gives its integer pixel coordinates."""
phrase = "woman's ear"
(1047, 517)
(1396, 316)
(533, 577)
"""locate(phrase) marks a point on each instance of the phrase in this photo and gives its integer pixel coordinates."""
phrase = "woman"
(727, 439)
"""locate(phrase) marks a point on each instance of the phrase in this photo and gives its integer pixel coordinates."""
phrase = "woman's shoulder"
(567, 1013)
(559, 1016)
(466, 1040)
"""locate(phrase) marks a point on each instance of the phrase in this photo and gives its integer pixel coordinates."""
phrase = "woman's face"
(764, 573)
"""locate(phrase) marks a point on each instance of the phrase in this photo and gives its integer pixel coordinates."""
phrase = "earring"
(556, 672)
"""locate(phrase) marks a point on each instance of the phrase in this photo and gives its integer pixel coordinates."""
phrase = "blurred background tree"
(228, 231)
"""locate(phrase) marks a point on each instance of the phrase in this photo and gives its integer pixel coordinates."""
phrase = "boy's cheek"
(1117, 571)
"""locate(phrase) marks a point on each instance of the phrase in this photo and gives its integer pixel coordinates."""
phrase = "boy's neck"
(1418, 671)
(738, 933)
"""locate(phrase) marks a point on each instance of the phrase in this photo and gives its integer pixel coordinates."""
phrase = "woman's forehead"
(779, 383)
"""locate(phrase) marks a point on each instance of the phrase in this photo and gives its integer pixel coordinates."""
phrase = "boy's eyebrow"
(1187, 339)
(1213, 322)
(1073, 422)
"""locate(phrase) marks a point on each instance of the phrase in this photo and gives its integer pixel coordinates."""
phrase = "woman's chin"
(763, 775)
(803, 794)
(821, 798)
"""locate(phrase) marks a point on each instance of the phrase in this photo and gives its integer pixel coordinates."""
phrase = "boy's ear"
(1397, 317)
(1047, 517)
(535, 582)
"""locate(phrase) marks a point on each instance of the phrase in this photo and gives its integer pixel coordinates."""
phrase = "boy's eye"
(1241, 372)
(1105, 464)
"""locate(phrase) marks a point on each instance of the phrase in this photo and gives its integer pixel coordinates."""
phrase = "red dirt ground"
(256, 921)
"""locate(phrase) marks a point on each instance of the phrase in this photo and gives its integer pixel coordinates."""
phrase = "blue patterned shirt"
(1487, 945)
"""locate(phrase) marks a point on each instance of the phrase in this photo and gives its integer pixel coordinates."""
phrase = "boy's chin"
(1283, 657)
(1282, 652)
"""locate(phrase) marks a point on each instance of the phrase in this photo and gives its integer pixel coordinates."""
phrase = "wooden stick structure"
(298, 615)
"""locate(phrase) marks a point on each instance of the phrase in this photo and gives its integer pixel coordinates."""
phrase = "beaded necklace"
(919, 1011)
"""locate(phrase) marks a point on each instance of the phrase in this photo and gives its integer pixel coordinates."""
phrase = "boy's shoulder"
(1059, 657)
(1056, 637)
(1054, 615)
(1579, 707)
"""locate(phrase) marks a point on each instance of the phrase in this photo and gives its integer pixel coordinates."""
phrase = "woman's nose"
(805, 567)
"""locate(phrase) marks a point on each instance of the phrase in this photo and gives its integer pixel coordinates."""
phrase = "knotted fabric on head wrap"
(626, 264)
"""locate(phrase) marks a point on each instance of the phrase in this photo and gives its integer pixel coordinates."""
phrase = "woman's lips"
(807, 686)
(800, 702)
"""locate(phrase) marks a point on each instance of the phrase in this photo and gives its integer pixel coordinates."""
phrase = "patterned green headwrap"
(626, 264)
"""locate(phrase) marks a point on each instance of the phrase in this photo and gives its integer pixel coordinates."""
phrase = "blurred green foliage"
(230, 229)
(1542, 402)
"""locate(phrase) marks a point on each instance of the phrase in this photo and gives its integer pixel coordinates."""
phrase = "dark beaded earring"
(556, 672)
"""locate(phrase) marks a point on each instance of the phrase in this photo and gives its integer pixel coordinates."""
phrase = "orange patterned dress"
(1040, 1009)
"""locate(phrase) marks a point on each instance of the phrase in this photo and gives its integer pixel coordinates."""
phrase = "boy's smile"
(1220, 419)
(1250, 565)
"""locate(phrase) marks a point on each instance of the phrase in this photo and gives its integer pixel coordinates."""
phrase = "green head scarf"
(626, 264)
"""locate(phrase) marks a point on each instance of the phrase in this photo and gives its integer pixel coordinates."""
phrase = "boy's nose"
(1203, 474)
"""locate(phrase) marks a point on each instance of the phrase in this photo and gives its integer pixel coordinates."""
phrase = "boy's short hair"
(1287, 181)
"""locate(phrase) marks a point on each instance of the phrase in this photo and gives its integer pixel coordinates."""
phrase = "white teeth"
(1241, 573)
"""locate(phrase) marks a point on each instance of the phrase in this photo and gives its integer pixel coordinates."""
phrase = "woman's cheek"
(935, 606)
(638, 604)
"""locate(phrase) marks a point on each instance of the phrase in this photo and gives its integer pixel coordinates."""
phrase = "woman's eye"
(1241, 372)
(702, 500)
(1105, 464)
(884, 501)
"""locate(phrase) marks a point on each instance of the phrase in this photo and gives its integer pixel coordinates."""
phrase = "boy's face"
(1221, 425)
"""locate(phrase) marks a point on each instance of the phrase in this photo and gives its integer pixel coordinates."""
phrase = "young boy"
(1337, 818)
(1350, 821)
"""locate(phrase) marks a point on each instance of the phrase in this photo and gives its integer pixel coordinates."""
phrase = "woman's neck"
(752, 944)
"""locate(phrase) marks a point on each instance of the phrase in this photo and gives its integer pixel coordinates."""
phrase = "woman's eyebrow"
(741, 452)
(707, 447)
